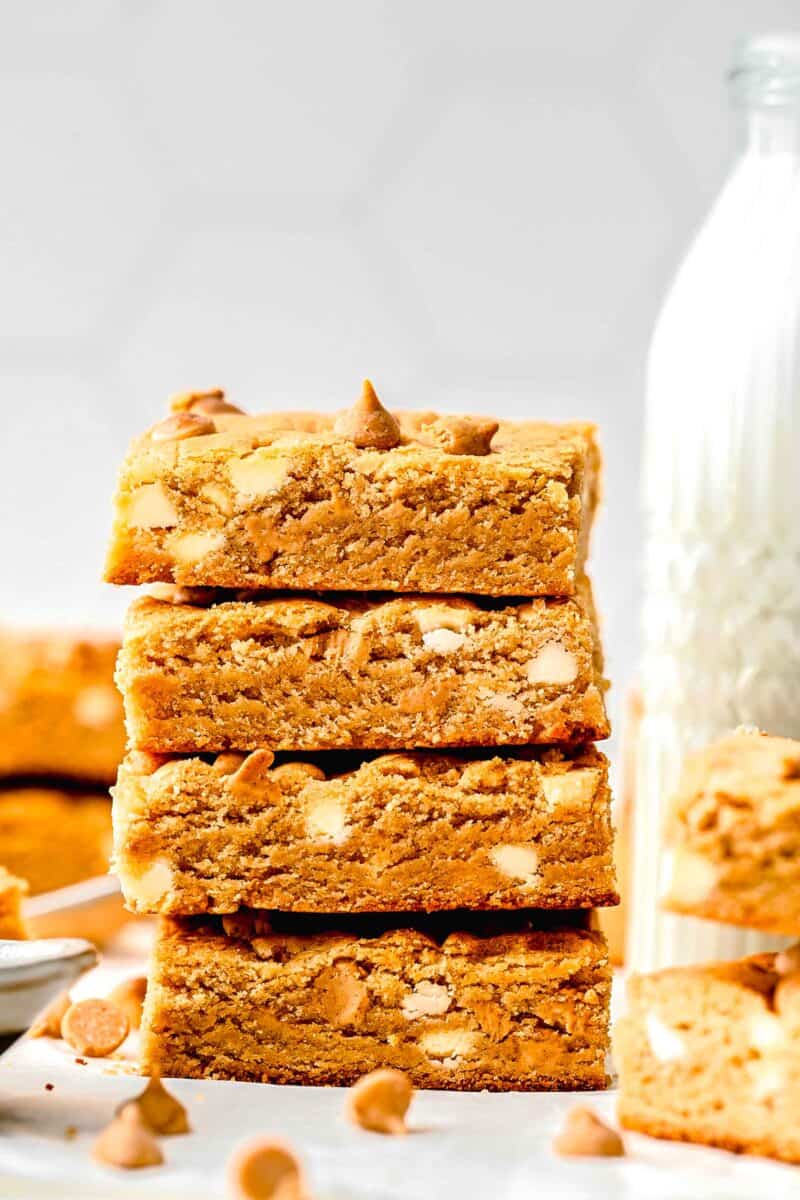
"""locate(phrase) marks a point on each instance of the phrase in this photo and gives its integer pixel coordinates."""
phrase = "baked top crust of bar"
(344, 833)
(710, 1054)
(506, 1007)
(302, 672)
(287, 500)
(60, 713)
(733, 834)
(53, 838)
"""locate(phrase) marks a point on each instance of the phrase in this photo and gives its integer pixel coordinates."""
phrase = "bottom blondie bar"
(458, 1001)
(711, 1054)
(53, 838)
(11, 892)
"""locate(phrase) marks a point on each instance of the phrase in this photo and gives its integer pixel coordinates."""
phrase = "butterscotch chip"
(129, 996)
(584, 1134)
(266, 1169)
(212, 401)
(380, 1100)
(788, 960)
(127, 1142)
(461, 435)
(94, 1027)
(48, 1023)
(161, 1112)
(182, 425)
(368, 425)
(172, 593)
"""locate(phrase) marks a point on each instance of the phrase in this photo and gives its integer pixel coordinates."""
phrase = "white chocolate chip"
(665, 1044)
(689, 877)
(326, 818)
(443, 641)
(258, 474)
(444, 616)
(217, 496)
(570, 789)
(768, 1078)
(520, 862)
(96, 706)
(153, 884)
(427, 1000)
(767, 1032)
(447, 1043)
(150, 507)
(553, 664)
(193, 547)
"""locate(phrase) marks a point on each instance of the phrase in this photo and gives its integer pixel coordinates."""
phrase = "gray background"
(477, 204)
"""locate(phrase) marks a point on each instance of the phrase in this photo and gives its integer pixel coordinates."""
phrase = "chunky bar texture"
(400, 832)
(712, 1054)
(733, 834)
(12, 891)
(284, 501)
(60, 713)
(503, 1007)
(52, 838)
(300, 673)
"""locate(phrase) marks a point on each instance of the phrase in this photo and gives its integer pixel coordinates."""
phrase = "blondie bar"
(279, 999)
(733, 834)
(301, 672)
(397, 832)
(712, 1054)
(53, 838)
(12, 891)
(60, 713)
(363, 501)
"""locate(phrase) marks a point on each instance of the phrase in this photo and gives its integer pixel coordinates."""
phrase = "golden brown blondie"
(398, 832)
(712, 1054)
(53, 838)
(733, 834)
(60, 713)
(362, 500)
(278, 999)
(301, 672)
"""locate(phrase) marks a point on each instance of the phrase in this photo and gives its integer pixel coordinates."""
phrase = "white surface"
(480, 205)
(470, 1147)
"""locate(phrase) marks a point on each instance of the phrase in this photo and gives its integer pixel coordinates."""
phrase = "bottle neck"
(764, 82)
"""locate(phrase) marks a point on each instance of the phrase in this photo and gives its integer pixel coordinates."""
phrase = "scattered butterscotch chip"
(129, 996)
(461, 435)
(585, 1135)
(266, 1169)
(212, 401)
(379, 1101)
(48, 1023)
(161, 1111)
(368, 424)
(182, 425)
(127, 1142)
(788, 960)
(71, 1132)
(94, 1027)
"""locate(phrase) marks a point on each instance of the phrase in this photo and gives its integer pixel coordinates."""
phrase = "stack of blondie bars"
(361, 786)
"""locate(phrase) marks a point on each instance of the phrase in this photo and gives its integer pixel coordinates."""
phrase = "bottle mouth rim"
(766, 69)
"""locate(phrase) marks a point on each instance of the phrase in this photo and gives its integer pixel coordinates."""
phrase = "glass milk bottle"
(722, 489)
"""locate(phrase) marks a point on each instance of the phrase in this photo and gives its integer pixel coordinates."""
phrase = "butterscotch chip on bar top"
(733, 834)
(94, 1027)
(266, 1169)
(127, 1142)
(711, 1054)
(60, 713)
(379, 1101)
(287, 999)
(392, 833)
(330, 672)
(361, 500)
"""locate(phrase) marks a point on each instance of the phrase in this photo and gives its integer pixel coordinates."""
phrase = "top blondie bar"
(359, 500)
